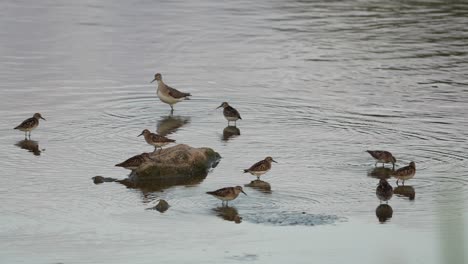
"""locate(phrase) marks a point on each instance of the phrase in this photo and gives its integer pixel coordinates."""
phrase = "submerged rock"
(100, 179)
(161, 207)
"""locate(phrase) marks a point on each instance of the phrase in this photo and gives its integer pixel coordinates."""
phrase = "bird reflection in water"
(228, 213)
(380, 173)
(384, 192)
(384, 212)
(405, 191)
(170, 124)
(30, 145)
(230, 132)
(259, 185)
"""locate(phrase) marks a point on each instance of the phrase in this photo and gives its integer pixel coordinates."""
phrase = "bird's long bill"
(43, 118)
(243, 192)
(153, 80)
(274, 161)
(219, 106)
(140, 134)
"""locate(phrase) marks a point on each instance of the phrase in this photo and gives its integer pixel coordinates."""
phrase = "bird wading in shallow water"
(156, 140)
(382, 156)
(405, 173)
(230, 113)
(29, 124)
(261, 167)
(227, 194)
(168, 94)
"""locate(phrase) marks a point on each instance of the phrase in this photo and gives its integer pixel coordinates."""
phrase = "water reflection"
(230, 132)
(383, 212)
(260, 185)
(405, 191)
(380, 173)
(170, 124)
(30, 145)
(228, 213)
(159, 183)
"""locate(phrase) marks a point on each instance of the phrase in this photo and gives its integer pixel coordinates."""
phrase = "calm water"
(316, 82)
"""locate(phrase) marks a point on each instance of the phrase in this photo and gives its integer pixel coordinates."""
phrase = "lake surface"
(316, 82)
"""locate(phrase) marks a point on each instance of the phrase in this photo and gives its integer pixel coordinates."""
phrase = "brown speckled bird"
(135, 162)
(29, 124)
(405, 173)
(156, 140)
(382, 156)
(227, 194)
(261, 167)
(230, 113)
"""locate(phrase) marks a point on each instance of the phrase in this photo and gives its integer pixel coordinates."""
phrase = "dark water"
(316, 82)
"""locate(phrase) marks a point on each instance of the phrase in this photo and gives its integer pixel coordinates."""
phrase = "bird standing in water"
(29, 124)
(168, 94)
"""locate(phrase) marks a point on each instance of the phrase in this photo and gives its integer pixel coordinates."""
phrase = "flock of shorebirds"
(172, 96)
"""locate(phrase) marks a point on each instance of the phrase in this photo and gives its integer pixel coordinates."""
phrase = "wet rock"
(161, 207)
(178, 161)
(101, 179)
(178, 165)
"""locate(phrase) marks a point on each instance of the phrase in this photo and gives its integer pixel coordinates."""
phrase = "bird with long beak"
(168, 94)
(156, 140)
(227, 194)
(230, 113)
(29, 124)
(261, 167)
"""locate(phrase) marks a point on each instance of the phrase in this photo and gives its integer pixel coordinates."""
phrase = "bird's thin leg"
(29, 134)
(393, 166)
(25, 134)
(375, 165)
(403, 183)
(397, 181)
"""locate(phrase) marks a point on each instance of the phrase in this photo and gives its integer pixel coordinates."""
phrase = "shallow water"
(316, 82)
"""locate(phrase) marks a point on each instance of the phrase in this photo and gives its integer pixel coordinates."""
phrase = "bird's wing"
(231, 111)
(27, 123)
(260, 166)
(176, 93)
(159, 138)
(221, 192)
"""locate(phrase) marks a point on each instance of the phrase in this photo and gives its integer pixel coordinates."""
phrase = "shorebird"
(382, 156)
(168, 94)
(134, 162)
(405, 173)
(29, 124)
(155, 140)
(230, 113)
(261, 167)
(227, 194)
(384, 191)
